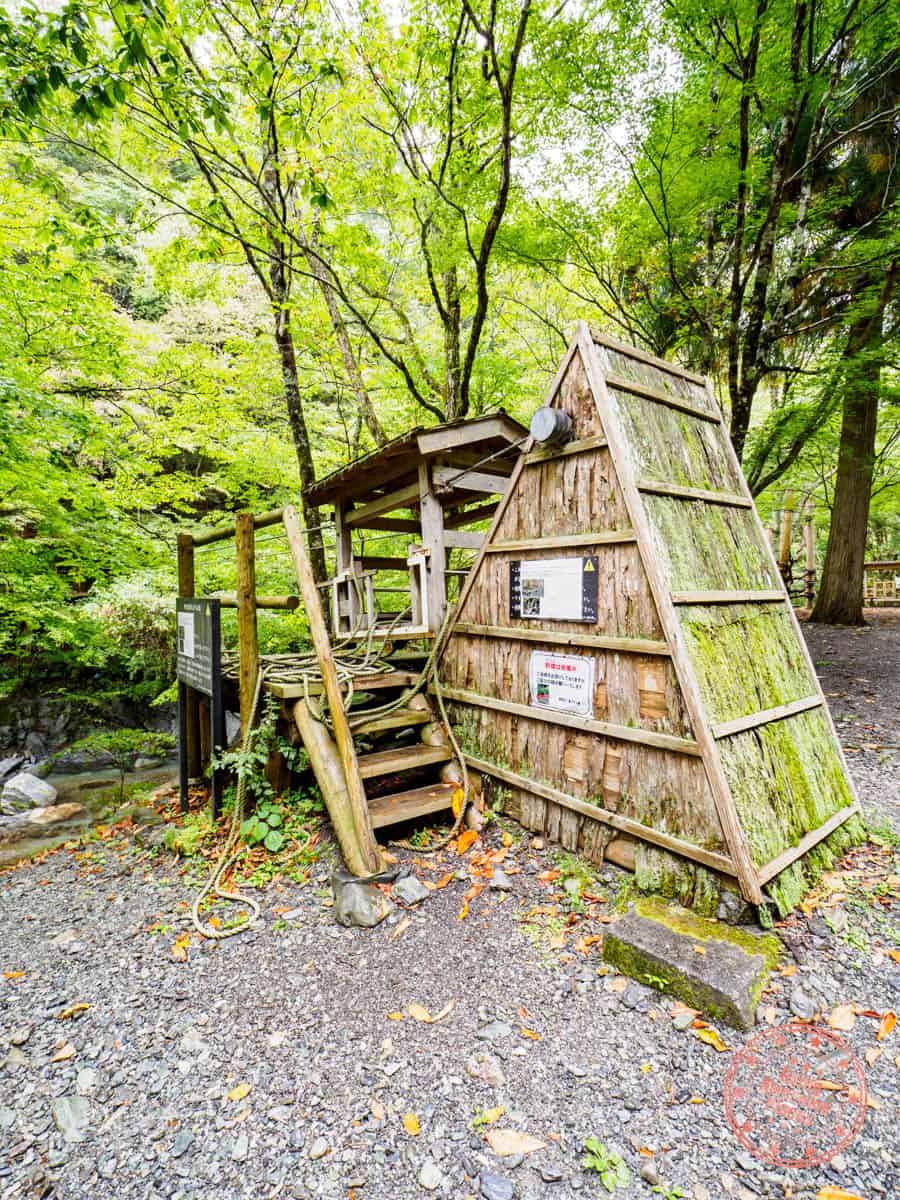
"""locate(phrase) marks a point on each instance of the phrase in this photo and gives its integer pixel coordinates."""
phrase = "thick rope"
(229, 856)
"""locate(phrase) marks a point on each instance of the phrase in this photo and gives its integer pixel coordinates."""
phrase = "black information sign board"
(555, 589)
(198, 666)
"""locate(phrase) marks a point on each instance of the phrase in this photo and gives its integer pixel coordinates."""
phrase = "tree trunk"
(840, 598)
(351, 366)
(451, 343)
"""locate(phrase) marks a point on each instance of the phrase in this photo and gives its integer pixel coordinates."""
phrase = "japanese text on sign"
(562, 682)
(561, 589)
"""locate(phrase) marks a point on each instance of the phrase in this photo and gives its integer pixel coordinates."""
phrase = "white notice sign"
(562, 682)
(186, 634)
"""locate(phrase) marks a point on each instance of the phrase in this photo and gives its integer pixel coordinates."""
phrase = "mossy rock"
(708, 965)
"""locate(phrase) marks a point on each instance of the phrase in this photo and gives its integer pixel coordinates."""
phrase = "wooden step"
(386, 762)
(400, 718)
(404, 806)
(384, 679)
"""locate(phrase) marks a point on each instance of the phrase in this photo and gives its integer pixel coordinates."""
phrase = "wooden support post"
(344, 565)
(369, 852)
(787, 529)
(432, 518)
(186, 588)
(248, 644)
(809, 542)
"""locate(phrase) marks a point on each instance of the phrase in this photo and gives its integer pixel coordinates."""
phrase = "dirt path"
(270, 1068)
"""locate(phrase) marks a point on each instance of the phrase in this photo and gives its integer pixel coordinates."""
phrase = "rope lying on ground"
(229, 855)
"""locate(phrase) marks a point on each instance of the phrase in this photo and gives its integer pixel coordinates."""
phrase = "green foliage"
(189, 837)
(608, 1165)
(264, 827)
(126, 745)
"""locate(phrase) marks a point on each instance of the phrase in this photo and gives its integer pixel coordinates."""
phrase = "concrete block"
(708, 965)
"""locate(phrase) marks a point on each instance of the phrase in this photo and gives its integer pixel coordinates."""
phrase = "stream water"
(98, 792)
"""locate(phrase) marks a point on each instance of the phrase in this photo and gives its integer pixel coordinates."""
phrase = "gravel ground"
(298, 1010)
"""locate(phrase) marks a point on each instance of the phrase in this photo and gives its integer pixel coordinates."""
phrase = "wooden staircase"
(395, 762)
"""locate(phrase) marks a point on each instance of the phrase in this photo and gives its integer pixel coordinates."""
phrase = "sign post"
(198, 661)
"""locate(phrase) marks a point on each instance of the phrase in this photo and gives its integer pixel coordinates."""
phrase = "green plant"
(187, 838)
(668, 1193)
(124, 746)
(608, 1165)
(264, 827)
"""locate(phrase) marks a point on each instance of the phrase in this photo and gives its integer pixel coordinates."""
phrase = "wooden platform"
(405, 806)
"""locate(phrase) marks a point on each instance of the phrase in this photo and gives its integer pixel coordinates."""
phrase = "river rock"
(495, 1187)
(36, 821)
(26, 791)
(410, 890)
(359, 904)
(72, 1115)
(8, 765)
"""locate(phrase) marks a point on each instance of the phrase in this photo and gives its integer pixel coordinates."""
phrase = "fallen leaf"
(491, 1115)
(786, 971)
(557, 942)
(872, 1102)
(388, 857)
(873, 1054)
(646, 1068)
(712, 1038)
(843, 1017)
(13, 974)
(523, 1013)
(548, 876)
(240, 1091)
(419, 1012)
(463, 913)
(888, 1021)
(829, 1192)
(895, 955)
(529, 1033)
(466, 839)
(216, 922)
(457, 800)
(442, 882)
(646, 1151)
(698, 949)
(411, 1124)
(679, 1008)
(505, 1142)
(507, 839)
(68, 1051)
(401, 928)
(696, 1100)
(395, 1016)
(73, 1011)
(618, 984)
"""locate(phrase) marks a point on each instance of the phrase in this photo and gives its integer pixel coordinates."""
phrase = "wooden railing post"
(186, 589)
(368, 850)
(248, 643)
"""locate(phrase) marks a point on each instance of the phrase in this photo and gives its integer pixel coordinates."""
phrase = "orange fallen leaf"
(829, 1192)
(646, 1151)
(523, 1013)
(548, 876)
(895, 955)
(13, 974)
(873, 1054)
(216, 922)
(529, 1033)
(467, 838)
(506, 1142)
(557, 942)
(442, 882)
(419, 1012)
(843, 1017)
(888, 1021)
(395, 1016)
(786, 971)
(73, 1011)
(712, 1038)
(698, 949)
(457, 800)
(240, 1091)
(411, 1124)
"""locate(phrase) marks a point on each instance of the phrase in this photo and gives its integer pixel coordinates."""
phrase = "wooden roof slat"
(607, 537)
(402, 498)
(660, 364)
(761, 597)
(677, 492)
(579, 446)
(597, 641)
(755, 720)
(620, 384)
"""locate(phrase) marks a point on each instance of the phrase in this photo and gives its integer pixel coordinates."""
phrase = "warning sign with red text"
(562, 682)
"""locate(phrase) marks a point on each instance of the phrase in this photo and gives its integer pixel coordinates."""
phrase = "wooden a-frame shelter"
(624, 665)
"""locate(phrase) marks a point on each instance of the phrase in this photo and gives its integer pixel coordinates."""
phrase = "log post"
(369, 853)
(432, 519)
(186, 589)
(809, 542)
(248, 644)
(787, 529)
